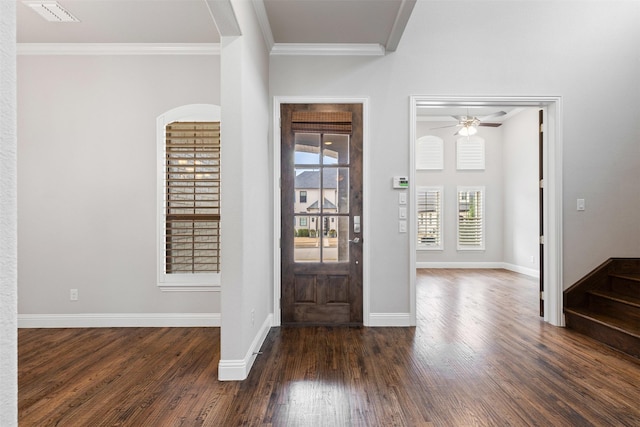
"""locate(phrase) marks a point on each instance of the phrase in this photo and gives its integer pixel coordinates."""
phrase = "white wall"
(247, 222)
(520, 184)
(8, 219)
(586, 52)
(87, 171)
(450, 178)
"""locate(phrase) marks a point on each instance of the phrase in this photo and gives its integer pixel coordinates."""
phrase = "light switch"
(402, 212)
(402, 198)
(402, 226)
(580, 204)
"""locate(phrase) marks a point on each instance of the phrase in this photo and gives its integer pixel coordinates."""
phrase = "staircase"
(605, 305)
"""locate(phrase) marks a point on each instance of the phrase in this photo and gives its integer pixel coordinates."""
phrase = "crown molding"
(328, 49)
(118, 48)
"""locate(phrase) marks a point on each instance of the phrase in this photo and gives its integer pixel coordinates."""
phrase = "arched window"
(188, 146)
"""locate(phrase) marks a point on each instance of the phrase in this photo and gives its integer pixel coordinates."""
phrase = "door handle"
(355, 240)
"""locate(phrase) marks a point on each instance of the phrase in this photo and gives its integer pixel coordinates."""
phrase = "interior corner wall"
(8, 218)
(536, 48)
(247, 221)
(87, 180)
(521, 196)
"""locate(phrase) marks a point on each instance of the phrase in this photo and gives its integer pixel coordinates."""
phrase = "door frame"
(552, 196)
(277, 279)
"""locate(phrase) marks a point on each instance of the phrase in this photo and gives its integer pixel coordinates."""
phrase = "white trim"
(366, 206)
(119, 320)
(531, 272)
(238, 369)
(263, 20)
(552, 170)
(383, 320)
(481, 265)
(224, 18)
(328, 49)
(178, 282)
(399, 25)
(118, 48)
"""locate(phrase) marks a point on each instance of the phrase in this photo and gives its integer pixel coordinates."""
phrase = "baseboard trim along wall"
(389, 320)
(511, 267)
(238, 369)
(118, 320)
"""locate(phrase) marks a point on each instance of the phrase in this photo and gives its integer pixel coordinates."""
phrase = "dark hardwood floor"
(480, 356)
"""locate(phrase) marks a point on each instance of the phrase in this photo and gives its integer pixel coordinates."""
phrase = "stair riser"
(624, 286)
(613, 308)
(612, 337)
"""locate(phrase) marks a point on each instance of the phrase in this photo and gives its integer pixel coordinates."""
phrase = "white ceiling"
(191, 21)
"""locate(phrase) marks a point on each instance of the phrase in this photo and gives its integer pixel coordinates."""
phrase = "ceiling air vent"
(51, 11)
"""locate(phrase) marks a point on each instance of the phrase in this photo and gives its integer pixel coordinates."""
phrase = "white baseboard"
(522, 270)
(118, 320)
(238, 369)
(389, 319)
(512, 267)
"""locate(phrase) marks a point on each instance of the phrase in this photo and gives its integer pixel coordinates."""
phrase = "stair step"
(617, 297)
(627, 284)
(614, 304)
(620, 334)
(631, 277)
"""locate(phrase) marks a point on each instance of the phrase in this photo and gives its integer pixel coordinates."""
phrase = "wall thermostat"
(400, 182)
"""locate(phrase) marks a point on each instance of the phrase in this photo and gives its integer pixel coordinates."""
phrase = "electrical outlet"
(73, 294)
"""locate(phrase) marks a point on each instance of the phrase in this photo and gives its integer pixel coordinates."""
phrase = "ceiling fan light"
(468, 131)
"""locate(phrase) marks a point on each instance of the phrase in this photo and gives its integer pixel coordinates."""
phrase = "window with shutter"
(429, 215)
(189, 198)
(470, 218)
(192, 198)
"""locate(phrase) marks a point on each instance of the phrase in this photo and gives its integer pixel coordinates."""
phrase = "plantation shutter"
(470, 218)
(192, 197)
(429, 205)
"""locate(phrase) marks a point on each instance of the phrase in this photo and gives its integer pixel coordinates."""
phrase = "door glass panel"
(306, 239)
(335, 242)
(335, 149)
(342, 190)
(307, 190)
(307, 149)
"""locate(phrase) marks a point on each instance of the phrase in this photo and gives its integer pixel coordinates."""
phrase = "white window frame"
(438, 245)
(186, 281)
(481, 189)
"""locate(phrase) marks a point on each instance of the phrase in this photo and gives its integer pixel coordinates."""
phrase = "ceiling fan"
(469, 124)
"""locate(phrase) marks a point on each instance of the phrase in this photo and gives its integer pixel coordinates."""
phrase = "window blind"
(192, 197)
(470, 219)
(429, 206)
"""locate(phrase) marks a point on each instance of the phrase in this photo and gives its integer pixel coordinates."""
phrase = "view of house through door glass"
(321, 213)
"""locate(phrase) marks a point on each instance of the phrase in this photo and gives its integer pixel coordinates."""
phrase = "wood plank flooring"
(480, 356)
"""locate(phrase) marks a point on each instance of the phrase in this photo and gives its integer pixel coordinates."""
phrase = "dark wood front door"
(322, 222)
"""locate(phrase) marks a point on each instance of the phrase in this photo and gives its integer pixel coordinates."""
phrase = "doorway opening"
(472, 116)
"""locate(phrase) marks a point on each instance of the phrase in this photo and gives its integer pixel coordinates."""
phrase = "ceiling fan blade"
(442, 127)
(493, 125)
(493, 116)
